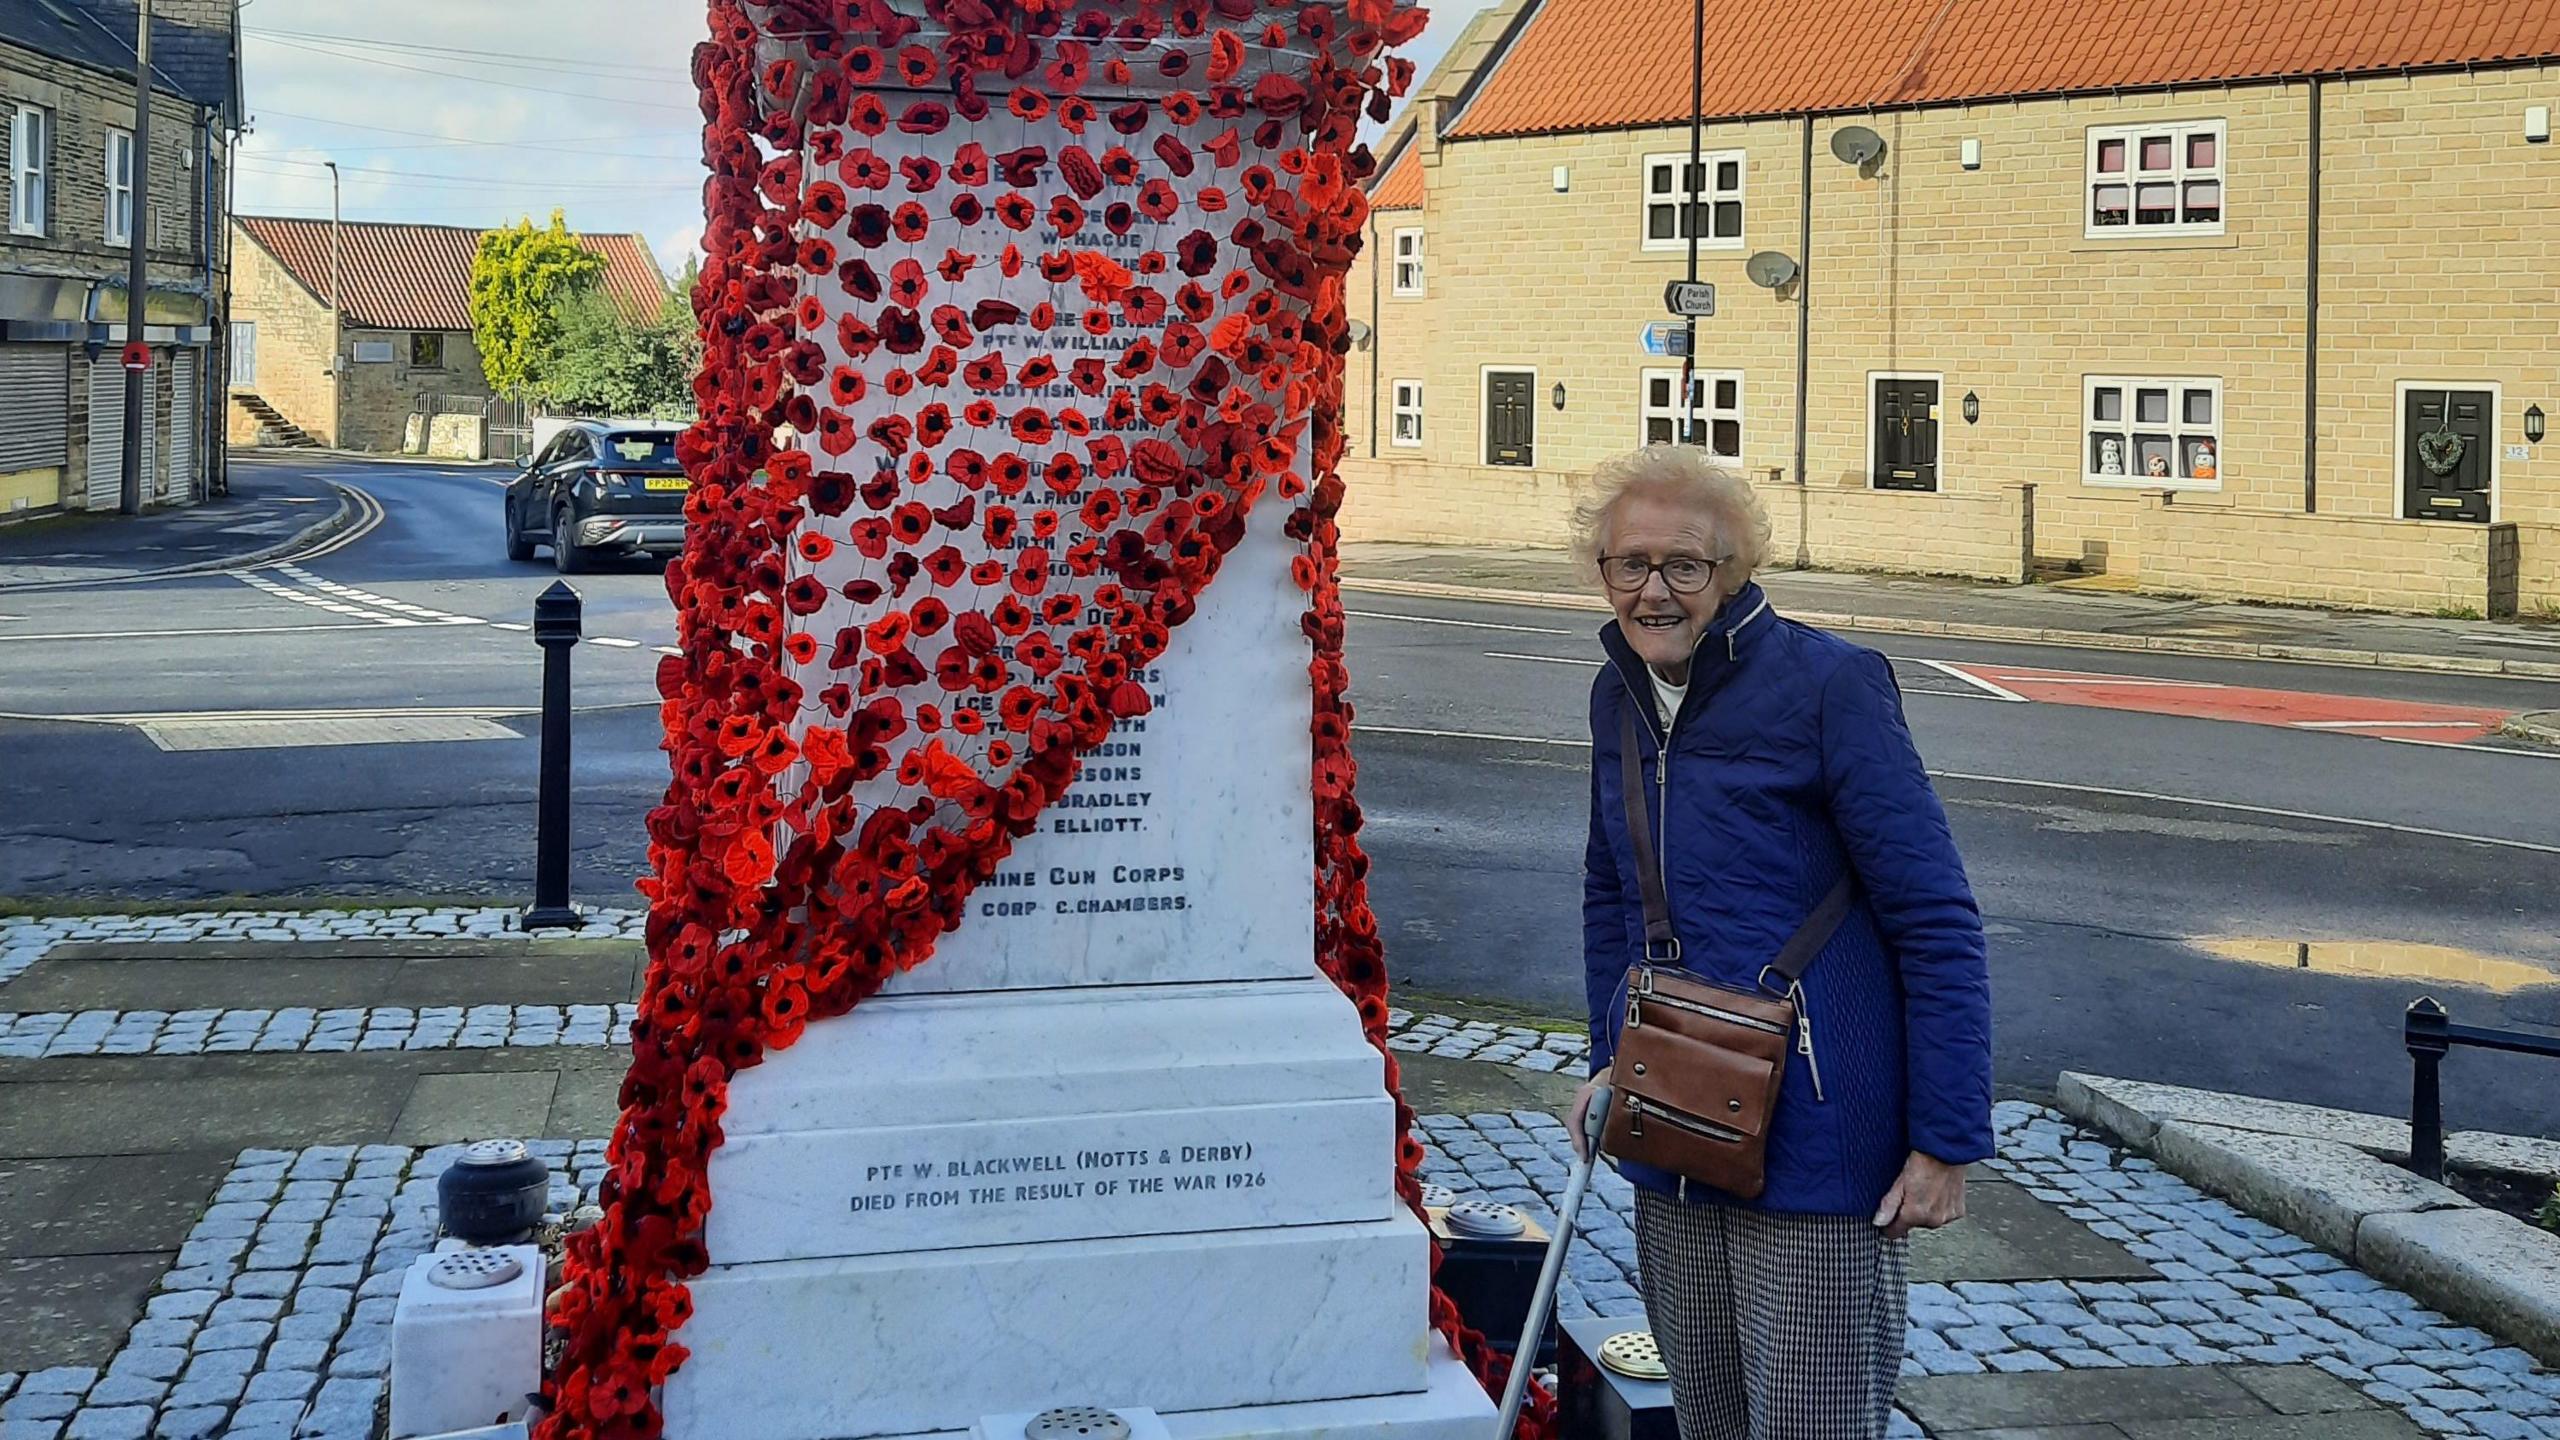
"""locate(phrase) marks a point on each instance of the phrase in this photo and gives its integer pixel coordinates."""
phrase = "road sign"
(1695, 299)
(137, 356)
(1663, 337)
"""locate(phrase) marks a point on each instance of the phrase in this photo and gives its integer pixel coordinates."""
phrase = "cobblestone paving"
(1519, 1046)
(2233, 1289)
(24, 940)
(274, 1323)
(58, 1033)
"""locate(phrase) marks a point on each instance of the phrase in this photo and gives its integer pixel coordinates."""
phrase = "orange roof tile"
(1604, 64)
(1401, 187)
(418, 277)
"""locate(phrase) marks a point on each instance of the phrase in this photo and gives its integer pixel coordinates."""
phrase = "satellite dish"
(1770, 269)
(1857, 145)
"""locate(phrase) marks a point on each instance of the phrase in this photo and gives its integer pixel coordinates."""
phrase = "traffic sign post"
(137, 357)
(1663, 337)
(1691, 299)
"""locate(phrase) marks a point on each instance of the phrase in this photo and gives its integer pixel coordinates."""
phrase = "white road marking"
(1990, 689)
(1545, 659)
(1458, 624)
(610, 640)
(274, 733)
(1365, 728)
(2237, 808)
(516, 625)
(85, 635)
(370, 516)
(2313, 816)
(2146, 680)
(670, 650)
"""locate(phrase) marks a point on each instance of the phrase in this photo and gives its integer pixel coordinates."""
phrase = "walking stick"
(1543, 1300)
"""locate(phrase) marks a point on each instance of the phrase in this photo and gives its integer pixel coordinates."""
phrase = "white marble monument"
(1117, 1143)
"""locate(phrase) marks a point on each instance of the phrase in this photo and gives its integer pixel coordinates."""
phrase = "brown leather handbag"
(1699, 1065)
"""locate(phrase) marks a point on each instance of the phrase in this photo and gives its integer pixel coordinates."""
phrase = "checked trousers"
(1775, 1327)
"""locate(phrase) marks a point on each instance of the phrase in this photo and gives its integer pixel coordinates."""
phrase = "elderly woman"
(1778, 763)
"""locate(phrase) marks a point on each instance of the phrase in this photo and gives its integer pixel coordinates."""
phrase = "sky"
(481, 112)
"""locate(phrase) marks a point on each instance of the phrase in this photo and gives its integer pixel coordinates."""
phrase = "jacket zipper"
(1637, 1110)
(1662, 856)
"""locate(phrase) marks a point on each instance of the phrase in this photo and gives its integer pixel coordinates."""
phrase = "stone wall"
(2356, 562)
(380, 396)
(294, 338)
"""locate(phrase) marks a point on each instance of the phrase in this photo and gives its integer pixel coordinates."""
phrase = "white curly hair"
(1684, 475)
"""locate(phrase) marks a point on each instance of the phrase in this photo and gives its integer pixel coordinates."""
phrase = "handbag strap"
(1661, 942)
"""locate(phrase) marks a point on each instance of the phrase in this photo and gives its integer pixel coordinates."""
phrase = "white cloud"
(477, 112)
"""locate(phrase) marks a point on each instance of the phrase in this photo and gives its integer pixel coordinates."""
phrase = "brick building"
(67, 216)
(401, 328)
(2247, 298)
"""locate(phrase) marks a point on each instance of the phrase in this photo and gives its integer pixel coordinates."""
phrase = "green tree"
(608, 362)
(521, 280)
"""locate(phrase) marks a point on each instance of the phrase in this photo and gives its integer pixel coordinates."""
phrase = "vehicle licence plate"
(668, 482)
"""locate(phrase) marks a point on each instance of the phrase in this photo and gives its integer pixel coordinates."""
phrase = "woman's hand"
(1573, 1120)
(1929, 1193)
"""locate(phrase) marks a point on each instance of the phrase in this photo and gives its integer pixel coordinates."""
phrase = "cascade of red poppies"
(1036, 495)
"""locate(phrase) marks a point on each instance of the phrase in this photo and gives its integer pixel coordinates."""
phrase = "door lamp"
(1558, 395)
(2533, 424)
(1972, 407)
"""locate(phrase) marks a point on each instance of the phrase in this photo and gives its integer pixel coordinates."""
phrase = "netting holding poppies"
(1016, 317)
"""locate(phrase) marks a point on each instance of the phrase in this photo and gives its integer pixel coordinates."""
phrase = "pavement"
(272, 511)
(2062, 613)
(197, 1241)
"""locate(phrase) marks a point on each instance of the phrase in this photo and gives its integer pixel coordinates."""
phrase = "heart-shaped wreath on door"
(2440, 449)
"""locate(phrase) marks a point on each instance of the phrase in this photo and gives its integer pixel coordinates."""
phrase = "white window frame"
(1407, 256)
(1406, 398)
(1702, 395)
(30, 172)
(2177, 177)
(1709, 197)
(120, 141)
(2178, 428)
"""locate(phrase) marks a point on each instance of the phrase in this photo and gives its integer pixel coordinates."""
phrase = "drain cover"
(1439, 1196)
(1078, 1422)
(474, 1270)
(1633, 1354)
(1485, 1220)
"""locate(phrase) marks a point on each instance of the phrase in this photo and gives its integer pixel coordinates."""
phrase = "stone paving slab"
(26, 939)
(1969, 1405)
(324, 978)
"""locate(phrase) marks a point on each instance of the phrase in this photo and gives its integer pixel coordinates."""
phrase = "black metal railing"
(2430, 1034)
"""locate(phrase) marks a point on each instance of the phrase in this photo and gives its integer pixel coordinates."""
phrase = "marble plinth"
(893, 1344)
(1455, 1407)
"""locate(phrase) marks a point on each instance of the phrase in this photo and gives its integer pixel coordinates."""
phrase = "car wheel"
(519, 549)
(566, 555)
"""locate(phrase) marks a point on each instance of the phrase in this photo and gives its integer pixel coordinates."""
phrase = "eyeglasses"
(1685, 574)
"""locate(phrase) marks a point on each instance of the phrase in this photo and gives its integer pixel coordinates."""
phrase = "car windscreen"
(640, 450)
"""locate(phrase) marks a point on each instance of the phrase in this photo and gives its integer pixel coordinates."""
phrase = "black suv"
(599, 488)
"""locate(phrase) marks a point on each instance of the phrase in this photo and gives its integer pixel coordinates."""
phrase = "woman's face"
(1661, 624)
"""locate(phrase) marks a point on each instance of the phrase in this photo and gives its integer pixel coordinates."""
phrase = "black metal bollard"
(2427, 1033)
(557, 627)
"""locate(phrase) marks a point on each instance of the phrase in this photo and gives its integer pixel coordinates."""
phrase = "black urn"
(494, 1194)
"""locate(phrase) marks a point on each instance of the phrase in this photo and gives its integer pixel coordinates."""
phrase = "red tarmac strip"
(2293, 709)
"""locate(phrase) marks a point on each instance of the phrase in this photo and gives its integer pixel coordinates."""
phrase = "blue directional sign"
(1664, 337)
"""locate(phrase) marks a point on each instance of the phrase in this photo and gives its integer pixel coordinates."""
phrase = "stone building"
(68, 206)
(2257, 303)
(401, 330)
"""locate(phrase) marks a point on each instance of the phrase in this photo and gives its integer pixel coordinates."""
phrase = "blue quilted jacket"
(1790, 765)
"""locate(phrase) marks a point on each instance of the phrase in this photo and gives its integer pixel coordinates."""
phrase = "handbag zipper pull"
(1804, 1039)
